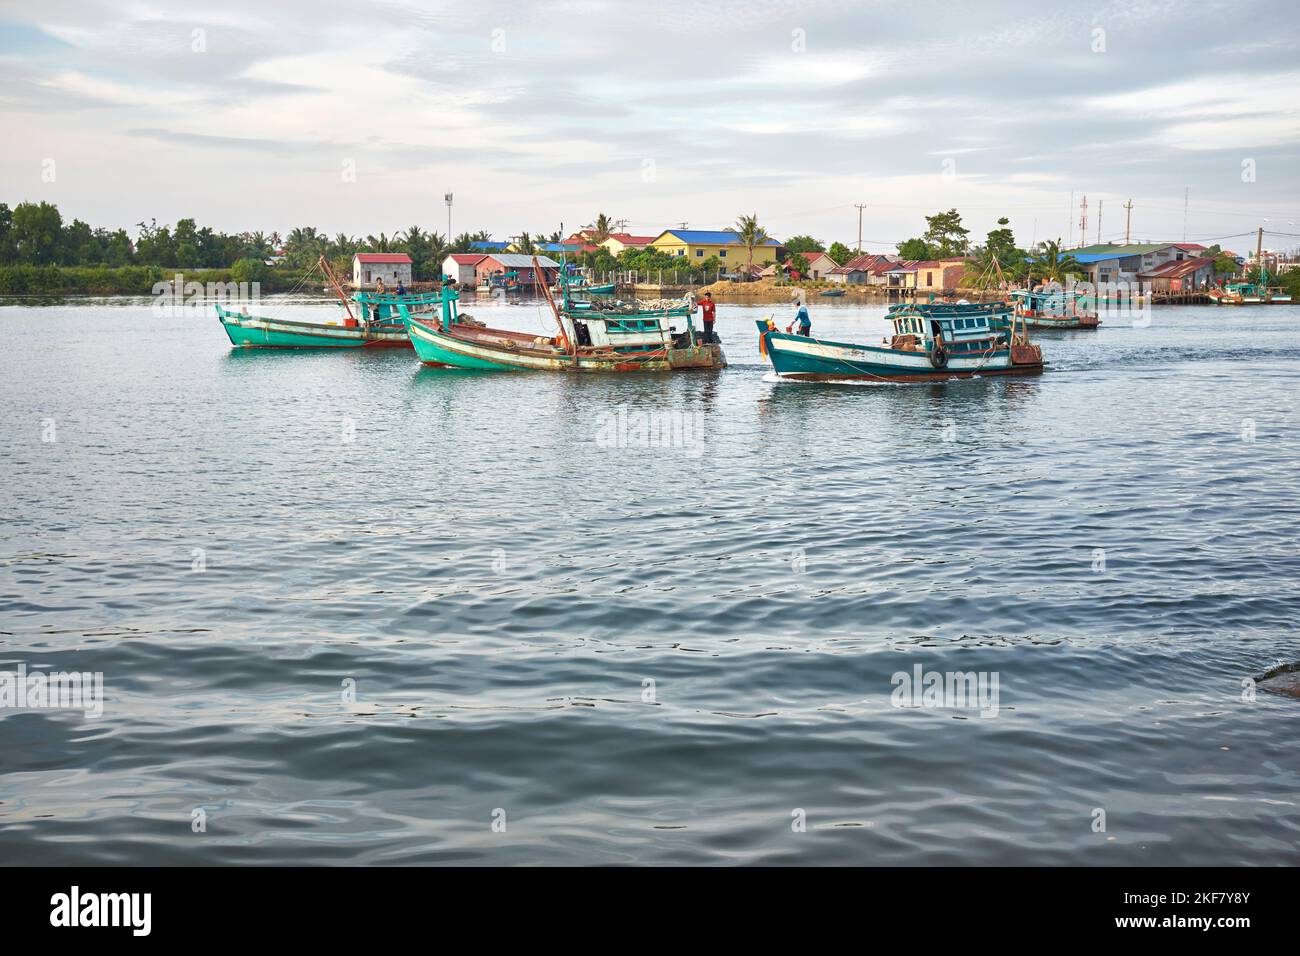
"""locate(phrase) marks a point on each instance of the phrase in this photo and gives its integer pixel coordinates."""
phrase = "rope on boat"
(296, 287)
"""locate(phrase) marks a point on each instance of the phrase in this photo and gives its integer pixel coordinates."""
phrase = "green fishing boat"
(603, 337)
(375, 323)
(1054, 309)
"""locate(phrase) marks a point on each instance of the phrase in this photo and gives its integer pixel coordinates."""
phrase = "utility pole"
(1083, 219)
(1100, 203)
(861, 206)
(1259, 253)
(1128, 219)
(446, 197)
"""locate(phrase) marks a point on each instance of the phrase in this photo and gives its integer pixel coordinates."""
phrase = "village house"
(697, 245)
(901, 275)
(864, 269)
(514, 270)
(461, 267)
(618, 241)
(392, 267)
(819, 266)
(939, 274)
(1184, 275)
(1123, 263)
(488, 245)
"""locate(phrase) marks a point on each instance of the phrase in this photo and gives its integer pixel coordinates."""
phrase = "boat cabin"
(959, 328)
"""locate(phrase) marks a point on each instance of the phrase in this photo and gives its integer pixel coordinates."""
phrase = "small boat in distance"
(596, 337)
(931, 342)
(1054, 309)
(379, 326)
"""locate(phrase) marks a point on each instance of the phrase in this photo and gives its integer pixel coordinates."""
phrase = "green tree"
(600, 229)
(1053, 265)
(37, 231)
(840, 253)
(803, 244)
(751, 234)
(915, 249)
(945, 234)
(249, 270)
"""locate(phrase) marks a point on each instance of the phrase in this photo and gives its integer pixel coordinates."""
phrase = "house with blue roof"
(697, 245)
(1107, 262)
(488, 246)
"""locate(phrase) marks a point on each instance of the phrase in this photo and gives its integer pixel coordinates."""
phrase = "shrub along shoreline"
(29, 281)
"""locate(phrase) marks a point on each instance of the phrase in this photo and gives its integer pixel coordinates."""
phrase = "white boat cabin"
(631, 333)
(958, 332)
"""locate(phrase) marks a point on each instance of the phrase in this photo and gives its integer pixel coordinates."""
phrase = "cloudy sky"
(357, 117)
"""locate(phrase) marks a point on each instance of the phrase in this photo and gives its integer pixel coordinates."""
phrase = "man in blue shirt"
(803, 320)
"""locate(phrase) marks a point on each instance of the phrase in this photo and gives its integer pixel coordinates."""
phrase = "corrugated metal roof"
(517, 260)
(1115, 251)
(488, 244)
(708, 237)
(468, 258)
(1177, 269)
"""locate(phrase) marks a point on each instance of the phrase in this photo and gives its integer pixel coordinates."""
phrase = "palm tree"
(600, 230)
(380, 243)
(1054, 265)
(984, 270)
(303, 246)
(751, 234)
(525, 244)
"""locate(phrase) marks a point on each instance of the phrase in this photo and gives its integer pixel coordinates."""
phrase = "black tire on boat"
(939, 356)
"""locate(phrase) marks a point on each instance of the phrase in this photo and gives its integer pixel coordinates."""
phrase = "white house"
(462, 267)
(392, 267)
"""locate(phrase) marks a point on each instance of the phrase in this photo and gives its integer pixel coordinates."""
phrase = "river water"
(351, 610)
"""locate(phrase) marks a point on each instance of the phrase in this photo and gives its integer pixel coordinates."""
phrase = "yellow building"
(697, 245)
(618, 241)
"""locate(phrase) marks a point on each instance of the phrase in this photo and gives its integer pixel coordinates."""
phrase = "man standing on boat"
(710, 313)
(803, 320)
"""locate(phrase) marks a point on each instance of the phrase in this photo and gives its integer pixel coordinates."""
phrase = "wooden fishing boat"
(378, 326)
(604, 339)
(1058, 309)
(831, 293)
(931, 342)
(1221, 296)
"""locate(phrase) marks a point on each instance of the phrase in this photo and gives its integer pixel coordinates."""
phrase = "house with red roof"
(618, 241)
(462, 266)
(369, 267)
(866, 269)
(819, 266)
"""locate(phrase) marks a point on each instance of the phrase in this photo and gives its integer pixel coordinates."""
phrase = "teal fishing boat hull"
(499, 350)
(803, 357)
(260, 332)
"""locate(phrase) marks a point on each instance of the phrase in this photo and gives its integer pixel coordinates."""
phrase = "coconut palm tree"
(1053, 264)
(600, 229)
(751, 234)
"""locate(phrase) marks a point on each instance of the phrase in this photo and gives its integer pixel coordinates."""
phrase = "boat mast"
(329, 273)
(546, 291)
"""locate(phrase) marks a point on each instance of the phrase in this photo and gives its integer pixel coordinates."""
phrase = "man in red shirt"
(710, 314)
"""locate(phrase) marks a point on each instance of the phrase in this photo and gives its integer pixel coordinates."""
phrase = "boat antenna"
(323, 263)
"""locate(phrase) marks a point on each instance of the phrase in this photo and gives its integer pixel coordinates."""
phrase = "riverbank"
(53, 282)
